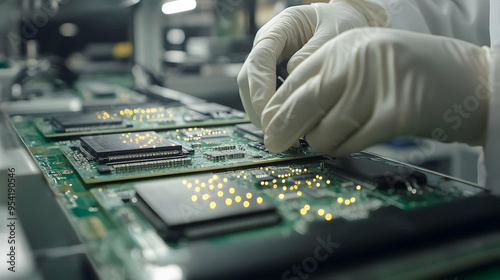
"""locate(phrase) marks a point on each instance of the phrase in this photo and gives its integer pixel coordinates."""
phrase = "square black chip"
(85, 122)
(200, 206)
(129, 146)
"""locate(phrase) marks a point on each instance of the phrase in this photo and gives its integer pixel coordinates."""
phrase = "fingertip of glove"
(272, 145)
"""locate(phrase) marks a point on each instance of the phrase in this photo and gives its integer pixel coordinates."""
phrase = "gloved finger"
(325, 32)
(308, 93)
(345, 130)
(242, 78)
(292, 83)
(375, 131)
(245, 96)
(301, 111)
(257, 78)
(345, 118)
(291, 120)
(261, 72)
(275, 41)
(327, 102)
(309, 48)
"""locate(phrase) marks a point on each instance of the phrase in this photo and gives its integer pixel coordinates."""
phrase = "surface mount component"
(85, 122)
(129, 147)
(181, 209)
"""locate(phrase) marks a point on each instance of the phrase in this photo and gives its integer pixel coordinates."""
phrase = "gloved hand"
(369, 85)
(295, 34)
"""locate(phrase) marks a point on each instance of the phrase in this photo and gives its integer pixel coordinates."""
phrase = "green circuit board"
(126, 118)
(110, 105)
(300, 192)
(210, 148)
(227, 176)
(303, 191)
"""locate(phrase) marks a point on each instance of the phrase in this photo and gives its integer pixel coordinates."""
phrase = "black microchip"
(188, 150)
(181, 208)
(209, 108)
(82, 121)
(129, 146)
(265, 178)
(185, 149)
(116, 108)
(302, 176)
(258, 146)
(103, 169)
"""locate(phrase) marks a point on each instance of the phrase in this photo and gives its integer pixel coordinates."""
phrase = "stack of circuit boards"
(180, 188)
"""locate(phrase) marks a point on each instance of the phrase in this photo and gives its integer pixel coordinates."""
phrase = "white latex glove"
(369, 85)
(295, 34)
